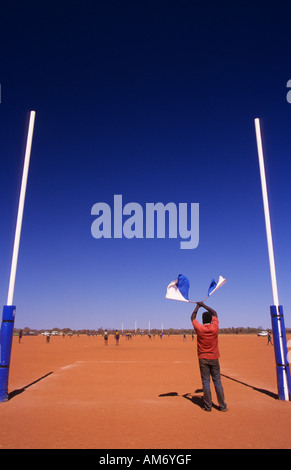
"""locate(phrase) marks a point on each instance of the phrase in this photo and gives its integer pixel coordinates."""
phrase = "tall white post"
(20, 210)
(279, 339)
(267, 213)
(8, 316)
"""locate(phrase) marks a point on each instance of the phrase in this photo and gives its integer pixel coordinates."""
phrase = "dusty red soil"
(77, 393)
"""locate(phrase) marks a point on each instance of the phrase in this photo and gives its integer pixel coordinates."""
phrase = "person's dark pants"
(211, 368)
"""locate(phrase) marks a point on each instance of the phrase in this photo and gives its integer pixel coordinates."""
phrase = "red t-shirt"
(207, 339)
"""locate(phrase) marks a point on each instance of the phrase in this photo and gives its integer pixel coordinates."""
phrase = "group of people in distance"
(207, 352)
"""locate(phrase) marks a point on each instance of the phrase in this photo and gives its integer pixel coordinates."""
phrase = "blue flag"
(215, 285)
(179, 289)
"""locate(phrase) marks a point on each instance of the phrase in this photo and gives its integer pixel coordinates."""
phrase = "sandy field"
(77, 393)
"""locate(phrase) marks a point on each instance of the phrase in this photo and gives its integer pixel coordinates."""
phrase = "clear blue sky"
(154, 100)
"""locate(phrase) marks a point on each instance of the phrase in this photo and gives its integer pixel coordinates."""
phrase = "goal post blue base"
(281, 353)
(6, 336)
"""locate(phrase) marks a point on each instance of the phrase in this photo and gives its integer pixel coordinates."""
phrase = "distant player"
(117, 338)
(20, 334)
(106, 337)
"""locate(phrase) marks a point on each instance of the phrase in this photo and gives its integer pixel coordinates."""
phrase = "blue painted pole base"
(281, 353)
(6, 336)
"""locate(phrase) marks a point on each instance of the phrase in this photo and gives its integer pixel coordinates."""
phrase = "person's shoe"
(223, 409)
(206, 409)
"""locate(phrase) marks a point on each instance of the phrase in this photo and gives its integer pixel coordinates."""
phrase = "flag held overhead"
(215, 285)
(179, 289)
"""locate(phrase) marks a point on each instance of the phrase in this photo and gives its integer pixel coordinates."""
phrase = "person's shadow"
(198, 399)
(195, 399)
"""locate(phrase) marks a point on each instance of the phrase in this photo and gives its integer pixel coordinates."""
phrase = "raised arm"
(193, 316)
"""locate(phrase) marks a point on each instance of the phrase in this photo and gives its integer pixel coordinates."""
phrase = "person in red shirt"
(208, 355)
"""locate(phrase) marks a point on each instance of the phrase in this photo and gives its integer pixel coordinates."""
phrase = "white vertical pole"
(20, 210)
(267, 213)
(270, 243)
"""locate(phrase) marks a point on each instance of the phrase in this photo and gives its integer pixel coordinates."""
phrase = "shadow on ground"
(195, 399)
(198, 399)
(21, 390)
(261, 390)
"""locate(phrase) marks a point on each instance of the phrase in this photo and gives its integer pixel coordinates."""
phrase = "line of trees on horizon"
(138, 331)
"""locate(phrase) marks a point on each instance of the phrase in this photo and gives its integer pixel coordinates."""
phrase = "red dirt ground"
(77, 393)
